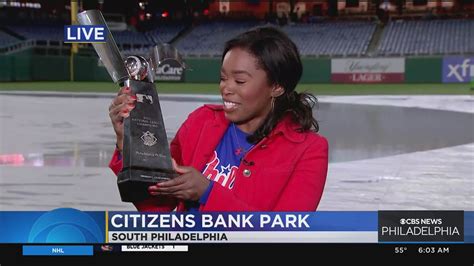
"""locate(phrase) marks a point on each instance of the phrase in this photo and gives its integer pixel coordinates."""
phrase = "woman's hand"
(119, 109)
(190, 185)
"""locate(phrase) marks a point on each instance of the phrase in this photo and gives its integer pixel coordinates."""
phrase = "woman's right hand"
(119, 109)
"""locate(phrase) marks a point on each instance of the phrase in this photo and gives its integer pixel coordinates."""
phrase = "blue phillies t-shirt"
(223, 165)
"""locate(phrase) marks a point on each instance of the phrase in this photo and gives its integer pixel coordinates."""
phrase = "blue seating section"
(208, 39)
(7, 39)
(42, 33)
(130, 37)
(332, 38)
(55, 33)
(454, 36)
(345, 38)
(165, 33)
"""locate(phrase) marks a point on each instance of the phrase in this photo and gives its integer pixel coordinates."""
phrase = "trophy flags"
(146, 155)
(107, 51)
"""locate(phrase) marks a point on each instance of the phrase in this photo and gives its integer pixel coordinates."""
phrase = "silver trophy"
(146, 155)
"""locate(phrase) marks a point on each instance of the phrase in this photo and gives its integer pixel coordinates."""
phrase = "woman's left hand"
(190, 185)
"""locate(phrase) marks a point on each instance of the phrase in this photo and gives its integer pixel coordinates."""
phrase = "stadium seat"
(332, 38)
(426, 37)
(7, 39)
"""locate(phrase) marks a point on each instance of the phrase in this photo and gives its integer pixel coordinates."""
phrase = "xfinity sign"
(458, 69)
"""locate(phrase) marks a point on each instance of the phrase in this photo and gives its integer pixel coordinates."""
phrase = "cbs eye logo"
(65, 226)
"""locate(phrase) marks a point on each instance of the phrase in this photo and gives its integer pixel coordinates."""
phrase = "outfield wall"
(26, 66)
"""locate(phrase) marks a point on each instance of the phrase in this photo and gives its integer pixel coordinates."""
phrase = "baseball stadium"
(394, 81)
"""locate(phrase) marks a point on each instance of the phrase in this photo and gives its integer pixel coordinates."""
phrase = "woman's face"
(245, 90)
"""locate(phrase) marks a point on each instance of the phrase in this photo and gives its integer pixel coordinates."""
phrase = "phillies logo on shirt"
(222, 174)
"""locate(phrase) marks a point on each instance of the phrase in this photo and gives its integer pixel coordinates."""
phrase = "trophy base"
(133, 183)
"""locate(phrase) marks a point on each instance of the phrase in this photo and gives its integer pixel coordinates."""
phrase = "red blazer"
(287, 173)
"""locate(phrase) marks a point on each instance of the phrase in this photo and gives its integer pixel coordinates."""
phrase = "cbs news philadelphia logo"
(84, 34)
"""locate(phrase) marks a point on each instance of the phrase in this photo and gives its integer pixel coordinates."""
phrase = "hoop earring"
(273, 104)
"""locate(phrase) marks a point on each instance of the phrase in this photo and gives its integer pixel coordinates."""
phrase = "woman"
(256, 152)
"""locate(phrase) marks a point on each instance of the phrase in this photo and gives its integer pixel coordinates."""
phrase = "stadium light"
(386, 5)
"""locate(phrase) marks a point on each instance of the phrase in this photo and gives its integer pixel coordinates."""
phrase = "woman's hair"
(278, 56)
